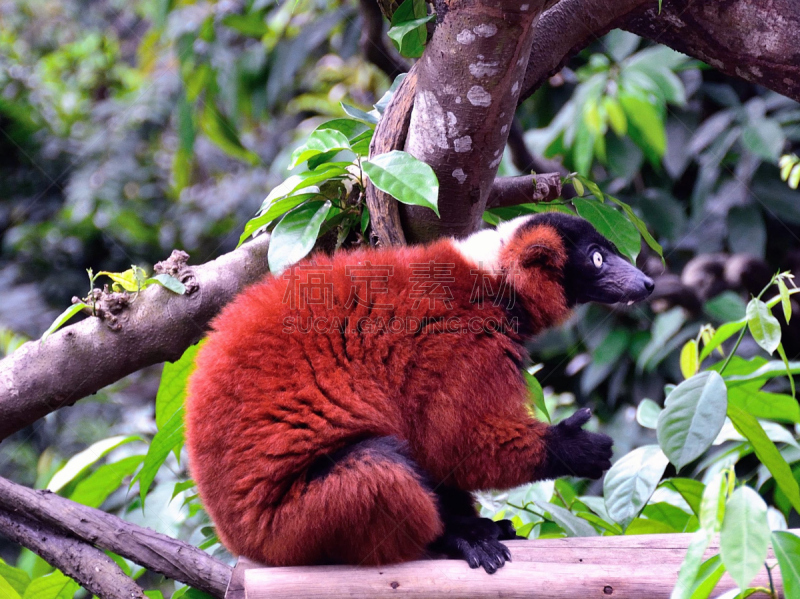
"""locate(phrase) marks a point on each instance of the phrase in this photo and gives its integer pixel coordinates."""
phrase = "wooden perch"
(525, 189)
(635, 567)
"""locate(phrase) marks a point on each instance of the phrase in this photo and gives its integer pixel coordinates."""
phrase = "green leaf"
(168, 282)
(764, 327)
(712, 503)
(693, 415)
(411, 42)
(537, 394)
(616, 116)
(766, 451)
(165, 440)
(172, 388)
(788, 366)
(181, 487)
(410, 37)
(690, 566)
(320, 141)
(6, 590)
(276, 209)
(762, 404)
(63, 318)
(647, 413)
(744, 538)
(725, 307)
(640, 226)
(691, 490)
(787, 551)
(725, 332)
(612, 225)
(14, 578)
(569, 522)
(80, 462)
(368, 118)
(786, 300)
(644, 117)
(762, 374)
(405, 178)
(689, 361)
(294, 236)
(631, 481)
(764, 138)
(222, 132)
(95, 488)
(707, 578)
(351, 128)
(51, 586)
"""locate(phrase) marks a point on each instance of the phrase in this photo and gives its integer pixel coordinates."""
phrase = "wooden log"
(623, 567)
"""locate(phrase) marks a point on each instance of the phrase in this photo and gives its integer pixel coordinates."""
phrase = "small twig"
(525, 189)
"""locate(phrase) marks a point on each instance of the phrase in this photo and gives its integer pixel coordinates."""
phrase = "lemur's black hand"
(476, 540)
(572, 451)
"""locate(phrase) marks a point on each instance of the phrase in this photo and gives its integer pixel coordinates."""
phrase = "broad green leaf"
(726, 307)
(168, 282)
(131, 280)
(693, 415)
(764, 327)
(351, 128)
(319, 142)
(644, 117)
(707, 578)
(787, 551)
(409, 37)
(369, 118)
(687, 576)
(405, 178)
(154, 595)
(640, 226)
(222, 132)
(537, 394)
(646, 526)
(572, 524)
(52, 586)
(172, 388)
(78, 463)
(744, 537)
(631, 482)
(63, 318)
(712, 503)
(674, 517)
(762, 404)
(786, 300)
(7, 590)
(647, 413)
(276, 209)
(612, 225)
(689, 359)
(723, 333)
(380, 105)
(95, 488)
(616, 116)
(766, 451)
(17, 579)
(764, 138)
(691, 490)
(294, 236)
(165, 440)
(182, 486)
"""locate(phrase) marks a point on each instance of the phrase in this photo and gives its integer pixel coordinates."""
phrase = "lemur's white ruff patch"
(483, 248)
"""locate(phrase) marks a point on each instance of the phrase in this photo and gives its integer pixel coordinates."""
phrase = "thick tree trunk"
(469, 80)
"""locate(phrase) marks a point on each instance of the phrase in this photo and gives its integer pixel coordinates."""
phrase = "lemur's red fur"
(264, 404)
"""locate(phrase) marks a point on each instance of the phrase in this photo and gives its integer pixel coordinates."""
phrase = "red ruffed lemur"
(342, 412)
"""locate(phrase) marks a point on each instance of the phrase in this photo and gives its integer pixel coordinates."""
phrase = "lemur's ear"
(541, 247)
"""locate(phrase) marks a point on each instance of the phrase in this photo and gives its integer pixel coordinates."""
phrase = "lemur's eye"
(597, 258)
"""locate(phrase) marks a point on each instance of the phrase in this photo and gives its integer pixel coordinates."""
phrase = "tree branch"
(172, 558)
(89, 566)
(513, 191)
(469, 81)
(756, 40)
(372, 43)
(156, 326)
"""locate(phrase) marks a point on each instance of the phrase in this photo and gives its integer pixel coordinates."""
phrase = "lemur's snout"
(649, 285)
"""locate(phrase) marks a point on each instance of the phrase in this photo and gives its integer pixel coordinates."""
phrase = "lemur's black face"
(595, 271)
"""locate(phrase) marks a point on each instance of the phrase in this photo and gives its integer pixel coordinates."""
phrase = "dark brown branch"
(372, 41)
(525, 189)
(87, 565)
(157, 326)
(756, 40)
(172, 558)
(469, 80)
(565, 30)
(390, 134)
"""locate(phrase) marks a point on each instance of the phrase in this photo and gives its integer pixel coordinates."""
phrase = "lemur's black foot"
(573, 451)
(476, 540)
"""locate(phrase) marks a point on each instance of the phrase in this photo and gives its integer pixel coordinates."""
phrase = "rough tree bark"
(172, 558)
(469, 80)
